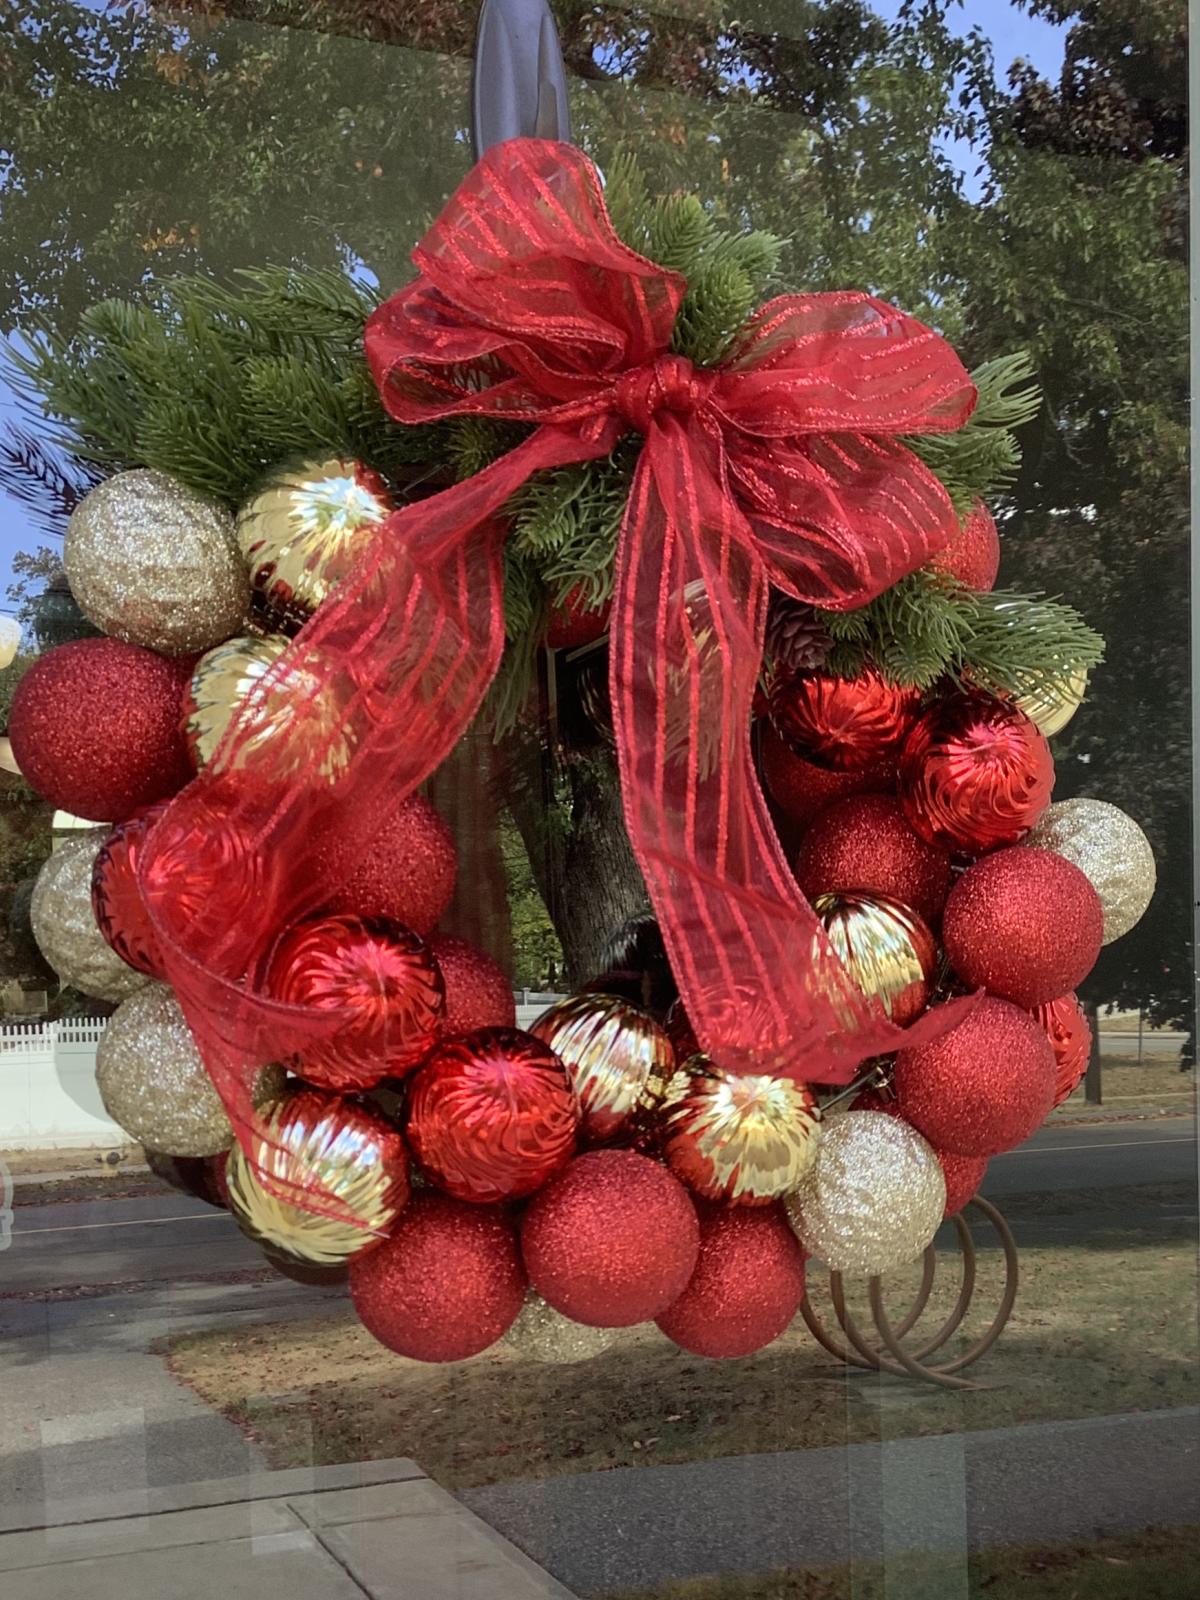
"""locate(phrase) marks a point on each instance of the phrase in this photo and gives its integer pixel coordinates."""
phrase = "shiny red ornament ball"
(848, 724)
(95, 728)
(1025, 924)
(802, 790)
(1070, 1036)
(383, 981)
(747, 1286)
(492, 1115)
(865, 844)
(681, 1036)
(973, 554)
(445, 1285)
(963, 1175)
(612, 1241)
(478, 993)
(117, 902)
(407, 872)
(575, 623)
(975, 774)
(983, 1087)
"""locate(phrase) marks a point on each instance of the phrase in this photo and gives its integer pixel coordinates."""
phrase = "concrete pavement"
(376, 1531)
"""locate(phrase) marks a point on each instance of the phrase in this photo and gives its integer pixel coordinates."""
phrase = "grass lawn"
(1106, 1326)
(1138, 1087)
(1160, 1564)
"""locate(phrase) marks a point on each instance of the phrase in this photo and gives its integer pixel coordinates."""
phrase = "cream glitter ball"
(154, 563)
(542, 1334)
(1109, 849)
(874, 1197)
(65, 928)
(154, 1084)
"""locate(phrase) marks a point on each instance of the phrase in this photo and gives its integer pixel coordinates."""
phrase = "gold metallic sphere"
(304, 532)
(348, 1162)
(1052, 706)
(739, 1137)
(237, 679)
(616, 1054)
(886, 948)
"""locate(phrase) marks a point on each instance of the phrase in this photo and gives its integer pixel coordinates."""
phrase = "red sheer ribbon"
(780, 466)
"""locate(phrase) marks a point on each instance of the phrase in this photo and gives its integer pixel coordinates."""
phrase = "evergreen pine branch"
(984, 455)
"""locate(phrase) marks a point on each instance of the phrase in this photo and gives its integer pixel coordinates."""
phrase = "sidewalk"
(376, 1531)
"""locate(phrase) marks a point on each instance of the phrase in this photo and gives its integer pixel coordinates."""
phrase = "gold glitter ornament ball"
(350, 1161)
(303, 533)
(1110, 850)
(873, 1198)
(542, 1334)
(236, 672)
(154, 1084)
(740, 1137)
(65, 927)
(1051, 707)
(615, 1053)
(154, 563)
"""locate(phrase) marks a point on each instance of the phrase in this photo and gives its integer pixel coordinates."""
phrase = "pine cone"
(796, 640)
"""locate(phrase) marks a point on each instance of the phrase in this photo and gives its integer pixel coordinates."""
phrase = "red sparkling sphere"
(983, 1087)
(381, 973)
(973, 555)
(1070, 1037)
(865, 844)
(801, 789)
(845, 723)
(95, 728)
(407, 873)
(117, 902)
(612, 1241)
(1025, 924)
(445, 1285)
(747, 1286)
(478, 993)
(963, 1176)
(575, 623)
(975, 774)
(492, 1115)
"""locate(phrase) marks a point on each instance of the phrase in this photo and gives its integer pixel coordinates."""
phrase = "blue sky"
(1013, 33)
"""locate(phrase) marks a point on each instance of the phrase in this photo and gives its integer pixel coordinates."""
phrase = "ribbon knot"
(667, 383)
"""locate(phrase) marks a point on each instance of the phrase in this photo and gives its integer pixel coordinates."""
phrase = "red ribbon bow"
(782, 465)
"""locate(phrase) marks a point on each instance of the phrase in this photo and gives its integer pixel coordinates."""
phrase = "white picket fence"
(48, 1095)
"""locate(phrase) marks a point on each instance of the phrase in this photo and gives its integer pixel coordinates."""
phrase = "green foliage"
(218, 384)
(926, 628)
(983, 457)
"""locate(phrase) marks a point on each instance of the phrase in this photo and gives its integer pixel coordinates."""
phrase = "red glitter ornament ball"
(864, 844)
(963, 1176)
(801, 789)
(1024, 924)
(975, 774)
(747, 1286)
(612, 1241)
(492, 1115)
(973, 555)
(1070, 1037)
(384, 981)
(95, 728)
(447, 1283)
(407, 872)
(983, 1087)
(848, 724)
(117, 902)
(478, 994)
(575, 623)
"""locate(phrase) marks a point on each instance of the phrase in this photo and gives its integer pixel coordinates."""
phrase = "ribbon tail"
(762, 987)
(372, 694)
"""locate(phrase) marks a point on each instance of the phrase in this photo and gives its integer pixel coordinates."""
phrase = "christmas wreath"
(337, 535)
